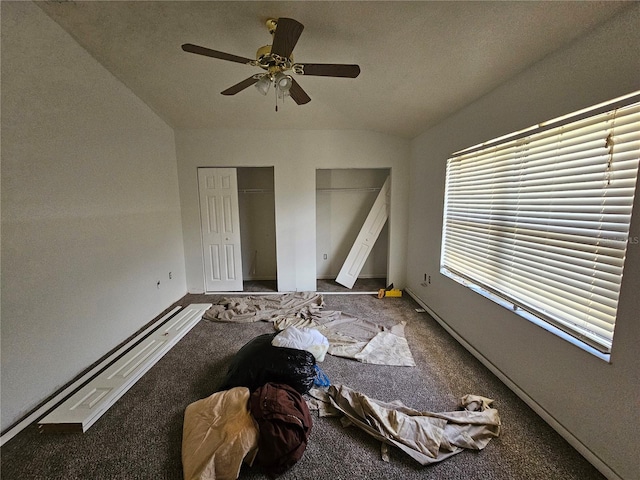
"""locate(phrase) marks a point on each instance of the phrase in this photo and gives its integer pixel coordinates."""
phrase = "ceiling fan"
(277, 60)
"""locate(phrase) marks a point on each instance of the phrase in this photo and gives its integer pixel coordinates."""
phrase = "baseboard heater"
(87, 405)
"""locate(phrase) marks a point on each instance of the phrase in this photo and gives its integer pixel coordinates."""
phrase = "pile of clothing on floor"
(269, 426)
(261, 413)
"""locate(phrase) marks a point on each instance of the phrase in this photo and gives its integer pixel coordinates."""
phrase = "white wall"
(90, 211)
(596, 402)
(295, 156)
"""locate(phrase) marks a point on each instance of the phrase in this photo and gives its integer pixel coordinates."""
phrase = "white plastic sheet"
(308, 339)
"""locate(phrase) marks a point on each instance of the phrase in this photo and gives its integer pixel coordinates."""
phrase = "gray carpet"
(140, 436)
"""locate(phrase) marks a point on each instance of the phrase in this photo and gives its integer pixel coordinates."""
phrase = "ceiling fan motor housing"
(272, 62)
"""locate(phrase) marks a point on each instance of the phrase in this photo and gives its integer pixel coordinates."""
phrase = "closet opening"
(344, 200)
(256, 199)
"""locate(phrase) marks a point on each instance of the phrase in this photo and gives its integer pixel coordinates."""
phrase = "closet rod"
(255, 190)
(349, 189)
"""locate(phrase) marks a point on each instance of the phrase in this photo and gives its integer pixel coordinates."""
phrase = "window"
(538, 220)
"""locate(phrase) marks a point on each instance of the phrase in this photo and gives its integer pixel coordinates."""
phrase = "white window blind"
(541, 219)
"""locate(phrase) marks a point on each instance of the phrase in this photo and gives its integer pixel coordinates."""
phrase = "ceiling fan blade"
(286, 36)
(188, 47)
(238, 87)
(298, 94)
(327, 69)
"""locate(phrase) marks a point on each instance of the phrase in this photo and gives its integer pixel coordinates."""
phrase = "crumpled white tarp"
(265, 307)
(358, 339)
(348, 336)
(427, 437)
(304, 338)
(389, 347)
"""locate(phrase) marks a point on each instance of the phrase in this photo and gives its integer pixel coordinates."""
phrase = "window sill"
(528, 316)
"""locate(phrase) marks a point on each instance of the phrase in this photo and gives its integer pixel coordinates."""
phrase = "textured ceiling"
(421, 61)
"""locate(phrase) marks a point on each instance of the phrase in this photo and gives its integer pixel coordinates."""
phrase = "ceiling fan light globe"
(283, 82)
(263, 84)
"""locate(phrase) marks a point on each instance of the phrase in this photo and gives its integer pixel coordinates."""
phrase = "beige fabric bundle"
(427, 437)
(218, 434)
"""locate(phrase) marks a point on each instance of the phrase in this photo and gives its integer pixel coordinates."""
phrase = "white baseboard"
(349, 293)
(362, 275)
(546, 416)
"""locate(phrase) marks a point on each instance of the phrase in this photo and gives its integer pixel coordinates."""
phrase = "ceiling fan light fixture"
(283, 82)
(263, 84)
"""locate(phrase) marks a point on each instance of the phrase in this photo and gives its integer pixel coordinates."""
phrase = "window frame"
(456, 271)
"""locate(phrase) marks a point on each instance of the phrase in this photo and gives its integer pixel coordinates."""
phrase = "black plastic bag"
(258, 362)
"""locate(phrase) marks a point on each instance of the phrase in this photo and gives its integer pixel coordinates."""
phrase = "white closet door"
(89, 403)
(366, 239)
(219, 214)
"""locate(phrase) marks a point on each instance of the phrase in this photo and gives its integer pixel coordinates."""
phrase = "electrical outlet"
(170, 275)
(158, 284)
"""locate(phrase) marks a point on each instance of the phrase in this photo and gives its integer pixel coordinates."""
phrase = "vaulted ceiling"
(420, 61)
